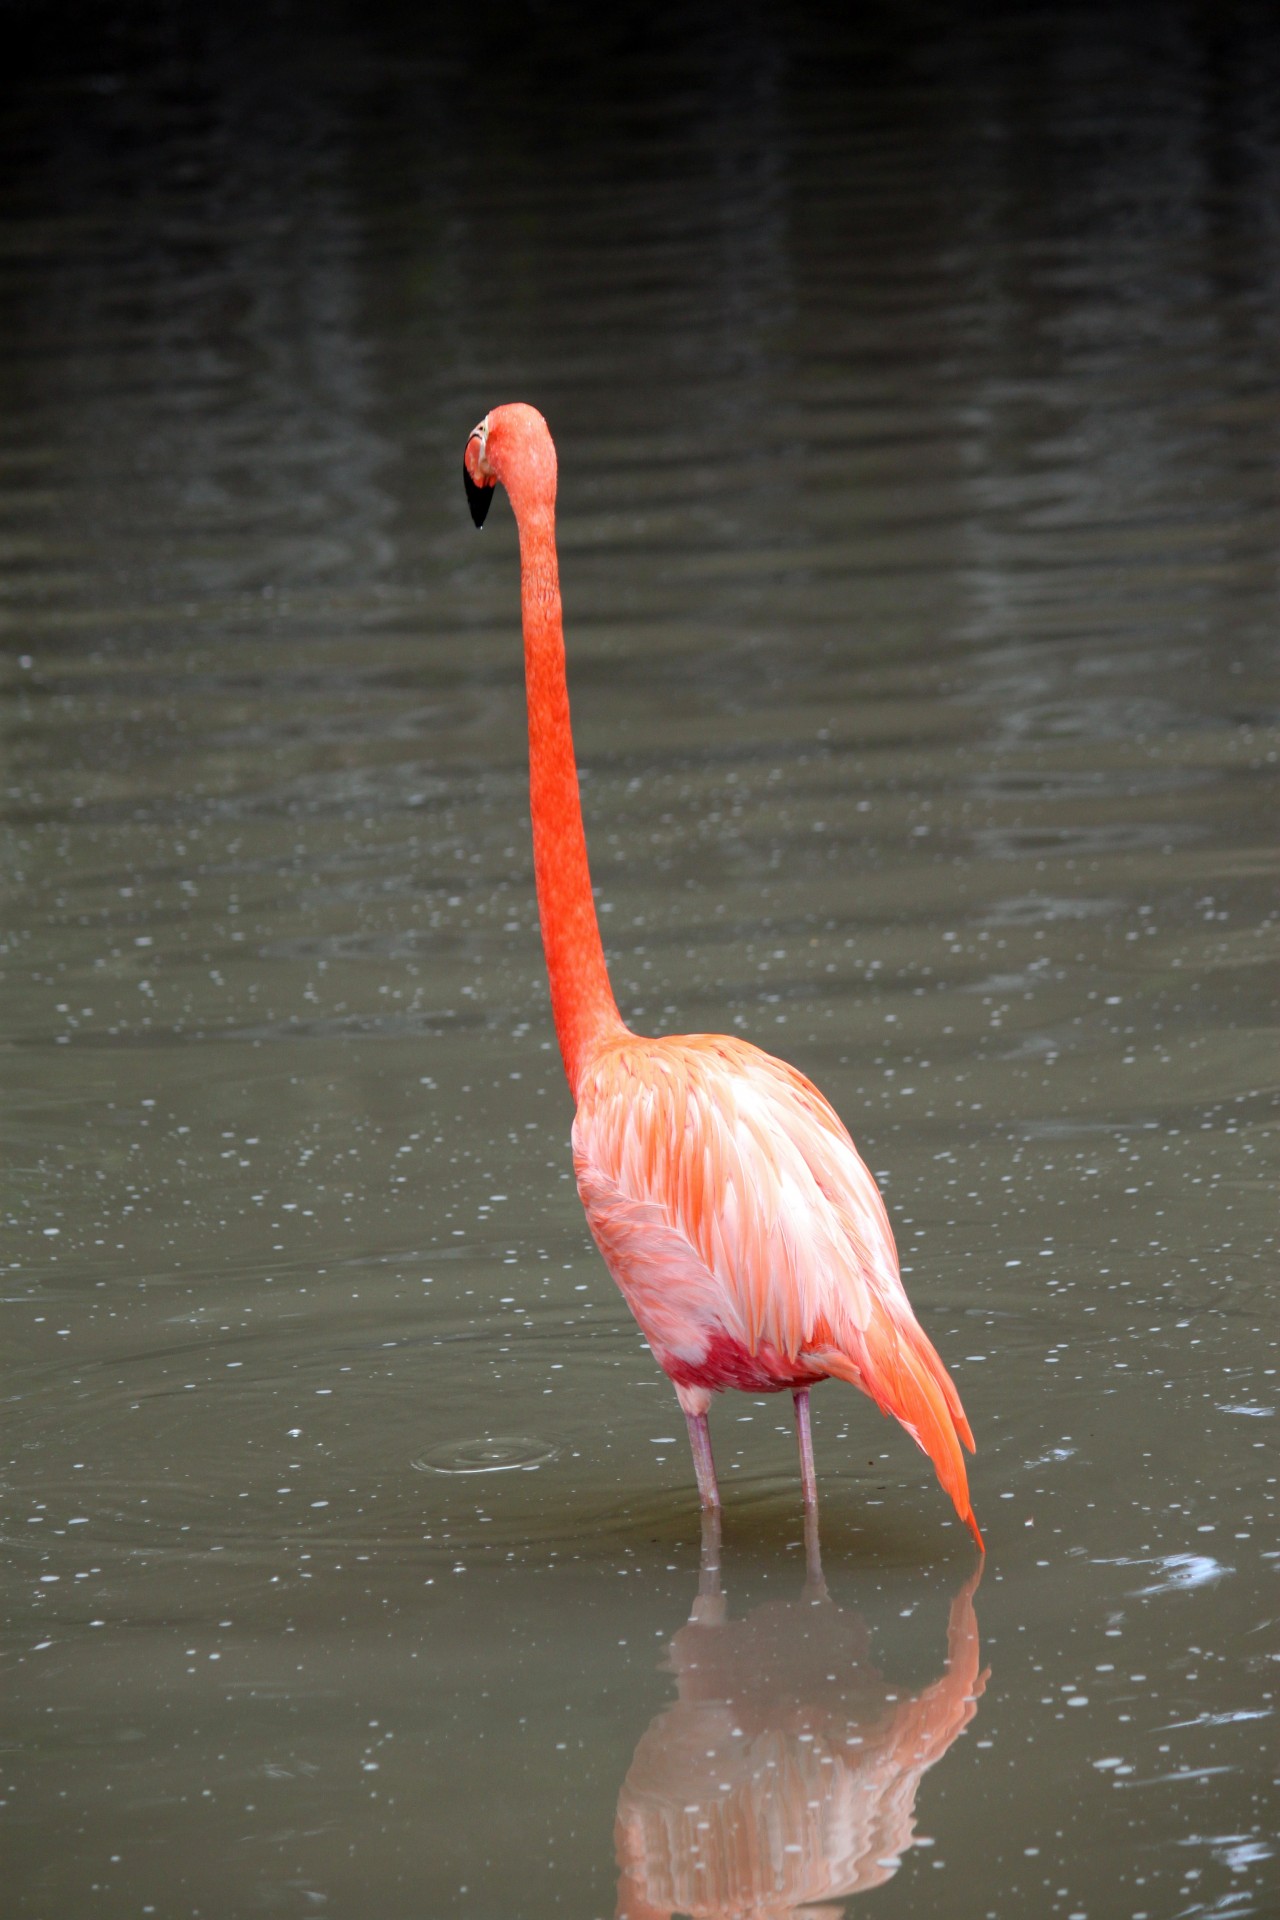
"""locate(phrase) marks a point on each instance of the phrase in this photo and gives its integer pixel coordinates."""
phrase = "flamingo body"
(748, 1237)
(724, 1192)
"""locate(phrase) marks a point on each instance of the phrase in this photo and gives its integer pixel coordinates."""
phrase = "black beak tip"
(478, 498)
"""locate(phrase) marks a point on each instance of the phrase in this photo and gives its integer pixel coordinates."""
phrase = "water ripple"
(505, 1453)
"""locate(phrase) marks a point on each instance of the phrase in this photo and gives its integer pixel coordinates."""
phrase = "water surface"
(916, 400)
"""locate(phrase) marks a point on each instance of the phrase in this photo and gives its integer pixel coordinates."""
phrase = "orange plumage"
(724, 1192)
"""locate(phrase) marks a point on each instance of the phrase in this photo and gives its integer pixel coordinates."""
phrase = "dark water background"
(917, 395)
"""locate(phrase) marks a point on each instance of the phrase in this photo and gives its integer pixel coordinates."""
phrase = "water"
(916, 403)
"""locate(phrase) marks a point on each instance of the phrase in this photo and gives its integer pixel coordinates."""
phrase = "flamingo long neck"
(582, 1001)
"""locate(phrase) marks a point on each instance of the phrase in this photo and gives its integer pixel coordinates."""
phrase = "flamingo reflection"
(785, 1774)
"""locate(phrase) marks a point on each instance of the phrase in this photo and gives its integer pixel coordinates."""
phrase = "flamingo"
(724, 1192)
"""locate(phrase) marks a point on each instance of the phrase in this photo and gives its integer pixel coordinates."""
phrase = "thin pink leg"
(703, 1465)
(808, 1478)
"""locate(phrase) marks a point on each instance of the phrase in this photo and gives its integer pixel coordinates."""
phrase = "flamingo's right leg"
(703, 1465)
(701, 1444)
(693, 1404)
(808, 1477)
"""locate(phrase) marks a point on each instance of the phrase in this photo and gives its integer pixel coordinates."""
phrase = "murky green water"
(917, 409)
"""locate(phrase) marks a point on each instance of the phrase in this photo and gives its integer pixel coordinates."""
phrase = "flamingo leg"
(808, 1478)
(703, 1465)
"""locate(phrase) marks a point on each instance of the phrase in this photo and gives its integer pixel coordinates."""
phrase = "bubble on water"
(497, 1453)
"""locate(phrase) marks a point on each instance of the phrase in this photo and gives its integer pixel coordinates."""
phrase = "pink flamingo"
(728, 1200)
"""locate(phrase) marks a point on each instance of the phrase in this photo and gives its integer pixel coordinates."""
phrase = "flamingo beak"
(478, 498)
(476, 476)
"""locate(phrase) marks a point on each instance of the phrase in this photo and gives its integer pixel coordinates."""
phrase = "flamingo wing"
(734, 1210)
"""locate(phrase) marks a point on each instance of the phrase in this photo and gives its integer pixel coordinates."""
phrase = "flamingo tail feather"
(909, 1382)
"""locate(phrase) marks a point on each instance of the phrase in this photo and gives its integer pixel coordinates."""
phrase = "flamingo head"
(511, 445)
(477, 477)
